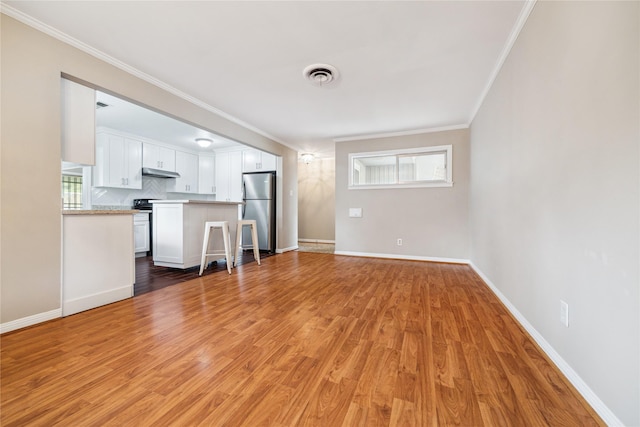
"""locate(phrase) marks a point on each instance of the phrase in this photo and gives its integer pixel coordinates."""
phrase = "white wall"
(30, 209)
(432, 222)
(554, 196)
(317, 200)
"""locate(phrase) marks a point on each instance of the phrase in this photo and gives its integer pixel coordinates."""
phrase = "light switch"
(355, 212)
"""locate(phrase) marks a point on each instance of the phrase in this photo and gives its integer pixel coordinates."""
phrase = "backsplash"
(152, 188)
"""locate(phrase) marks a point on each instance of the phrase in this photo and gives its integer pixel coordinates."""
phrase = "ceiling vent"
(100, 105)
(321, 74)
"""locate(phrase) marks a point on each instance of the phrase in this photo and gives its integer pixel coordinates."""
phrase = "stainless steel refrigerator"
(259, 195)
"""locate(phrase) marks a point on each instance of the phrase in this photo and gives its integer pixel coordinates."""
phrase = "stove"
(142, 204)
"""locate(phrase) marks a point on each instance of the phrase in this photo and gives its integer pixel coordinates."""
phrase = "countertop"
(100, 212)
(195, 202)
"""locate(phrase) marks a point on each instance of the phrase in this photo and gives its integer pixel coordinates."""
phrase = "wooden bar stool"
(209, 227)
(254, 239)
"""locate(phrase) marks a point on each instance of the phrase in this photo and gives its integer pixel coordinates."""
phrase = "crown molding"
(65, 38)
(515, 32)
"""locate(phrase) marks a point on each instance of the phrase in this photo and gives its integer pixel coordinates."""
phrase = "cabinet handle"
(162, 164)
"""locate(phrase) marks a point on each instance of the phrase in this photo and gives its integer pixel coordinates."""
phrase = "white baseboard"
(283, 250)
(30, 320)
(96, 300)
(598, 405)
(316, 241)
(404, 257)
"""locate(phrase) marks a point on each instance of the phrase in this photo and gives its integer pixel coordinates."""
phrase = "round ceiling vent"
(321, 74)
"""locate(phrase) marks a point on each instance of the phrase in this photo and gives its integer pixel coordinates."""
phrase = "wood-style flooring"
(150, 277)
(304, 339)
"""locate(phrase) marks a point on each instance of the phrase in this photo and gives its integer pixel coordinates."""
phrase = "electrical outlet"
(399, 242)
(564, 313)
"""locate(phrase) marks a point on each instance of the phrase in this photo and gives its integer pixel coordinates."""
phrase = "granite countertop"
(100, 212)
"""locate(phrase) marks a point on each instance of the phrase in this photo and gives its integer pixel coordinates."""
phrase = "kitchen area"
(162, 178)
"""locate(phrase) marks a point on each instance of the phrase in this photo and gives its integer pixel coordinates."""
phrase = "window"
(409, 168)
(71, 192)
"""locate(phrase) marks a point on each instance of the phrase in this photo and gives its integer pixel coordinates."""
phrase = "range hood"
(159, 173)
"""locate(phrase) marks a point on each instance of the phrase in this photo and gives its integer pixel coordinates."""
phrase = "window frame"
(73, 182)
(406, 152)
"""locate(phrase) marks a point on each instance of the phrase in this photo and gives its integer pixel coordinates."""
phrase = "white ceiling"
(404, 66)
(136, 120)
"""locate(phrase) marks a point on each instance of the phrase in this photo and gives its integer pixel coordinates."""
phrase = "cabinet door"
(222, 177)
(133, 162)
(78, 123)
(141, 235)
(206, 176)
(250, 160)
(150, 155)
(268, 162)
(157, 157)
(118, 162)
(187, 167)
(116, 168)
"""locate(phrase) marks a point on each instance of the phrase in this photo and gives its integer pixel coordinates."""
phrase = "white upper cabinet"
(257, 161)
(187, 167)
(118, 162)
(158, 157)
(78, 123)
(206, 174)
(228, 175)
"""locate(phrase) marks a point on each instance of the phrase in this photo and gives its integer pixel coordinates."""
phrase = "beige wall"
(432, 222)
(317, 200)
(555, 189)
(30, 219)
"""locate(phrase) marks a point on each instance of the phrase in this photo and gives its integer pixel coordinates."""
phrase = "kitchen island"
(178, 229)
(98, 264)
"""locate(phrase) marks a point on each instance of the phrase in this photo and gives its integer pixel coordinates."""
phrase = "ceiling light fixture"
(307, 158)
(321, 74)
(204, 142)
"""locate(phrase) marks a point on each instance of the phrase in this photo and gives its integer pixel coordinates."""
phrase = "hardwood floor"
(305, 339)
(150, 277)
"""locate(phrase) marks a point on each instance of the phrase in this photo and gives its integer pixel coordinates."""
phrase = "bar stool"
(254, 239)
(210, 226)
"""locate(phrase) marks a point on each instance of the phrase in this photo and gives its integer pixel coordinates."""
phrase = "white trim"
(598, 405)
(434, 184)
(435, 149)
(316, 241)
(404, 257)
(515, 32)
(283, 250)
(30, 320)
(401, 133)
(96, 300)
(65, 38)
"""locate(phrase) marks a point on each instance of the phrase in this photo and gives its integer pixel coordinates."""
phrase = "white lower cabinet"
(141, 233)
(178, 230)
